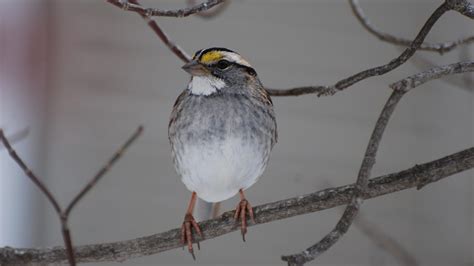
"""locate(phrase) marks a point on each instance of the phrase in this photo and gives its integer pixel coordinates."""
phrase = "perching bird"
(222, 129)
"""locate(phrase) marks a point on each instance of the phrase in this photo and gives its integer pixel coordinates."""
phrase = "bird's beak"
(195, 68)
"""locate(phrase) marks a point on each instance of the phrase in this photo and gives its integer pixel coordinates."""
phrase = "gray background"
(108, 73)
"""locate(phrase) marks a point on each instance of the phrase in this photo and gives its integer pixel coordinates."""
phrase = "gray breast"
(214, 117)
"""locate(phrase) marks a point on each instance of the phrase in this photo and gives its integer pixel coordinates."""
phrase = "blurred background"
(82, 75)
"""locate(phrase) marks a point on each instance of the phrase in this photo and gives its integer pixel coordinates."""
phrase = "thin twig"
(30, 174)
(176, 49)
(317, 201)
(155, 12)
(319, 90)
(64, 215)
(437, 72)
(211, 13)
(421, 63)
(147, 13)
(461, 7)
(399, 89)
(441, 48)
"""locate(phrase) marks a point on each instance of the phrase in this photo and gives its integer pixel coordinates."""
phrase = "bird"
(222, 129)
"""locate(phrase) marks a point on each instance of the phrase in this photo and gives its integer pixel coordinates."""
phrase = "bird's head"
(215, 68)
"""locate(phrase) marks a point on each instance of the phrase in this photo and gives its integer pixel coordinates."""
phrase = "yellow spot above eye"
(211, 57)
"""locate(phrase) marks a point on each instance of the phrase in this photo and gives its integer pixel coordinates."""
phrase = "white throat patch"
(205, 85)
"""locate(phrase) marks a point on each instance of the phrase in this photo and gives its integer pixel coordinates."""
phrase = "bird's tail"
(207, 210)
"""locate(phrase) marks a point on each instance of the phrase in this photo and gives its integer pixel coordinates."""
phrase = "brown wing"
(260, 93)
(176, 110)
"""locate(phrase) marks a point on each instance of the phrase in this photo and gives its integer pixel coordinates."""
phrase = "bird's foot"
(241, 211)
(187, 234)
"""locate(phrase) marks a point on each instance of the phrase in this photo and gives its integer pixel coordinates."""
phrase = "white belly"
(217, 170)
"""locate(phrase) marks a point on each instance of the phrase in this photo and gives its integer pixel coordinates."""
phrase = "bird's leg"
(241, 210)
(188, 224)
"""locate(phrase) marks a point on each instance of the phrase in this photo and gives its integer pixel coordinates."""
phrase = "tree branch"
(317, 201)
(176, 49)
(64, 215)
(146, 13)
(353, 207)
(462, 6)
(211, 13)
(154, 12)
(422, 63)
(368, 162)
(418, 79)
(387, 37)
(29, 173)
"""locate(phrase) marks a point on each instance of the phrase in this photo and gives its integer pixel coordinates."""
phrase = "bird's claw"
(187, 234)
(241, 211)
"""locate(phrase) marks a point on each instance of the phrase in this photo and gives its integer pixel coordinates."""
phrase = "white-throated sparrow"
(222, 129)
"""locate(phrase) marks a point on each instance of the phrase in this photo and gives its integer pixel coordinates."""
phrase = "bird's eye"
(223, 64)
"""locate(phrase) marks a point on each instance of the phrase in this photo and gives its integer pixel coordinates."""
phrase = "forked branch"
(350, 213)
(462, 6)
(64, 214)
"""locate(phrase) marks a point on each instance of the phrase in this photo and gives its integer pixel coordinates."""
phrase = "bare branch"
(64, 215)
(380, 70)
(418, 79)
(400, 88)
(319, 90)
(211, 13)
(154, 12)
(47, 193)
(177, 50)
(387, 37)
(360, 189)
(147, 13)
(422, 63)
(317, 201)
(462, 6)
(30, 174)
(134, 5)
